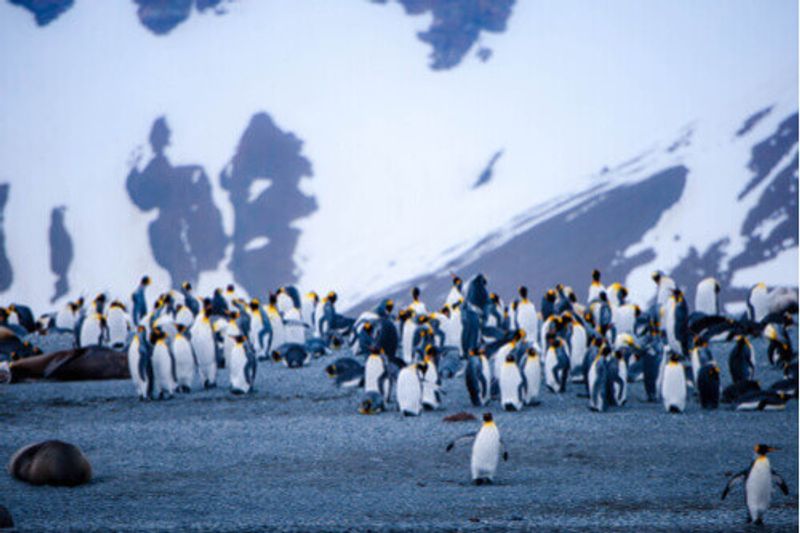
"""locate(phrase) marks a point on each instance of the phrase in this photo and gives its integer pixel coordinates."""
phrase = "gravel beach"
(297, 455)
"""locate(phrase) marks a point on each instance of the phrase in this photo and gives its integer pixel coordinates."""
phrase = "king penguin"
(512, 385)
(205, 347)
(741, 361)
(377, 377)
(140, 364)
(119, 326)
(409, 388)
(485, 451)
(673, 387)
(706, 298)
(532, 371)
(185, 360)
(243, 366)
(758, 479)
(477, 380)
(163, 365)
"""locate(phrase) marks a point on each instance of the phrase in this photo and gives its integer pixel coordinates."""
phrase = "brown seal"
(51, 462)
(90, 363)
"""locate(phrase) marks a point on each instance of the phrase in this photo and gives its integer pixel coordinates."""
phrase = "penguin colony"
(507, 353)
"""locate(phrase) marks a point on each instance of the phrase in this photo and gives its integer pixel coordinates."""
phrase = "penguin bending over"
(485, 451)
(758, 479)
(347, 372)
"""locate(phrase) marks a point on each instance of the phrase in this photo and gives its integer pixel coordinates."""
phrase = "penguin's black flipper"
(741, 476)
(781, 483)
(465, 437)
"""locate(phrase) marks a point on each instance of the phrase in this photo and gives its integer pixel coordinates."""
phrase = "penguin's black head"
(493, 297)
(572, 297)
(276, 355)
(623, 292)
(595, 275)
(332, 297)
(230, 288)
(389, 306)
(763, 449)
(218, 291)
(656, 276)
(254, 304)
(186, 286)
(181, 328)
(674, 357)
(677, 294)
(699, 342)
(605, 350)
(445, 311)
(550, 296)
(240, 338)
(273, 298)
(510, 358)
(145, 280)
(415, 293)
(79, 302)
(100, 298)
(603, 296)
(367, 326)
(618, 354)
(519, 334)
(331, 370)
(336, 342)
(487, 417)
(422, 366)
(523, 292)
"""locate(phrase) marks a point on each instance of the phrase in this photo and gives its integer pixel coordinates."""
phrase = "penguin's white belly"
(90, 332)
(577, 347)
(237, 365)
(408, 343)
(758, 488)
(705, 300)
(373, 369)
(162, 369)
(624, 318)
(527, 320)
(184, 317)
(550, 362)
(695, 365)
(453, 296)
(184, 361)
(294, 332)
(117, 329)
(278, 331)
(673, 388)
(204, 350)
(430, 388)
(284, 303)
(594, 291)
(419, 308)
(256, 325)
(229, 343)
(485, 453)
(533, 380)
(510, 380)
(409, 392)
(133, 366)
(621, 390)
(592, 379)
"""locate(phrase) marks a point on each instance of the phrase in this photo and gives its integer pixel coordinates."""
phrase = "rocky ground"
(297, 455)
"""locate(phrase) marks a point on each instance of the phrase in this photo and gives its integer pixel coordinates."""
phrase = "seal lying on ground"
(51, 462)
(88, 363)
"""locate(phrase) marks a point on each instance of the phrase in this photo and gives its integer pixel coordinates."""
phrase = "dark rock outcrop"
(45, 11)
(187, 237)
(457, 25)
(6, 274)
(263, 238)
(61, 251)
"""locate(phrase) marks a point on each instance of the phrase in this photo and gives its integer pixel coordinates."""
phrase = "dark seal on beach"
(51, 462)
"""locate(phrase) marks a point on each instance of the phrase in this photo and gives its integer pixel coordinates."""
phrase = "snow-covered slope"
(302, 142)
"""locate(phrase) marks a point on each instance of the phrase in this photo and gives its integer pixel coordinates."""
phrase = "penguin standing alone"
(485, 451)
(758, 480)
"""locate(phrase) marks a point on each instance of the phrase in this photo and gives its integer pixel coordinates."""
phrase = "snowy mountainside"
(719, 199)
